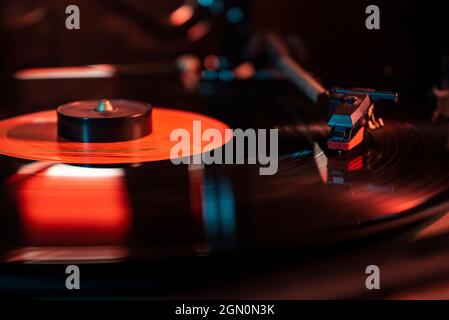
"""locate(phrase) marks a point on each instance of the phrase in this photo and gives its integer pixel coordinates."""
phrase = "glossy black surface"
(127, 120)
(157, 229)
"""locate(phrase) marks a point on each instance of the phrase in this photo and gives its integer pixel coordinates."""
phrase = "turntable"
(89, 176)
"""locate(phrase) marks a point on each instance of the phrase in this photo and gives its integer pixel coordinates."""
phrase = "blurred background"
(150, 36)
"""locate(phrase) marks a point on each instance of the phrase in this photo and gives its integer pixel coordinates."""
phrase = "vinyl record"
(63, 213)
(34, 137)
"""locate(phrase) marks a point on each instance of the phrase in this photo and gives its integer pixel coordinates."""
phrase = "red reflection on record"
(69, 205)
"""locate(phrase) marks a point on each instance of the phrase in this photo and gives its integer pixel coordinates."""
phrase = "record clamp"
(104, 121)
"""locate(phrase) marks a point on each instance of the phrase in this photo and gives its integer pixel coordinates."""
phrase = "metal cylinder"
(104, 120)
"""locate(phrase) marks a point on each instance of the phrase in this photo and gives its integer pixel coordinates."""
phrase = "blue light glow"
(234, 15)
(301, 154)
(211, 213)
(226, 75)
(217, 7)
(205, 3)
(219, 213)
(227, 209)
(209, 75)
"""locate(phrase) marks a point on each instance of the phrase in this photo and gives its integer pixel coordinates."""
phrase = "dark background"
(403, 56)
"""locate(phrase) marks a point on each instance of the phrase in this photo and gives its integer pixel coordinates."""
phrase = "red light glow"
(66, 205)
(181, 15)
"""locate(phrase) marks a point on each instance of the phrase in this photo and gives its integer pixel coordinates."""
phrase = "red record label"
(34, 137)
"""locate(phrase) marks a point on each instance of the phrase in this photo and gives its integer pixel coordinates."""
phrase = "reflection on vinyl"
(60, 212)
